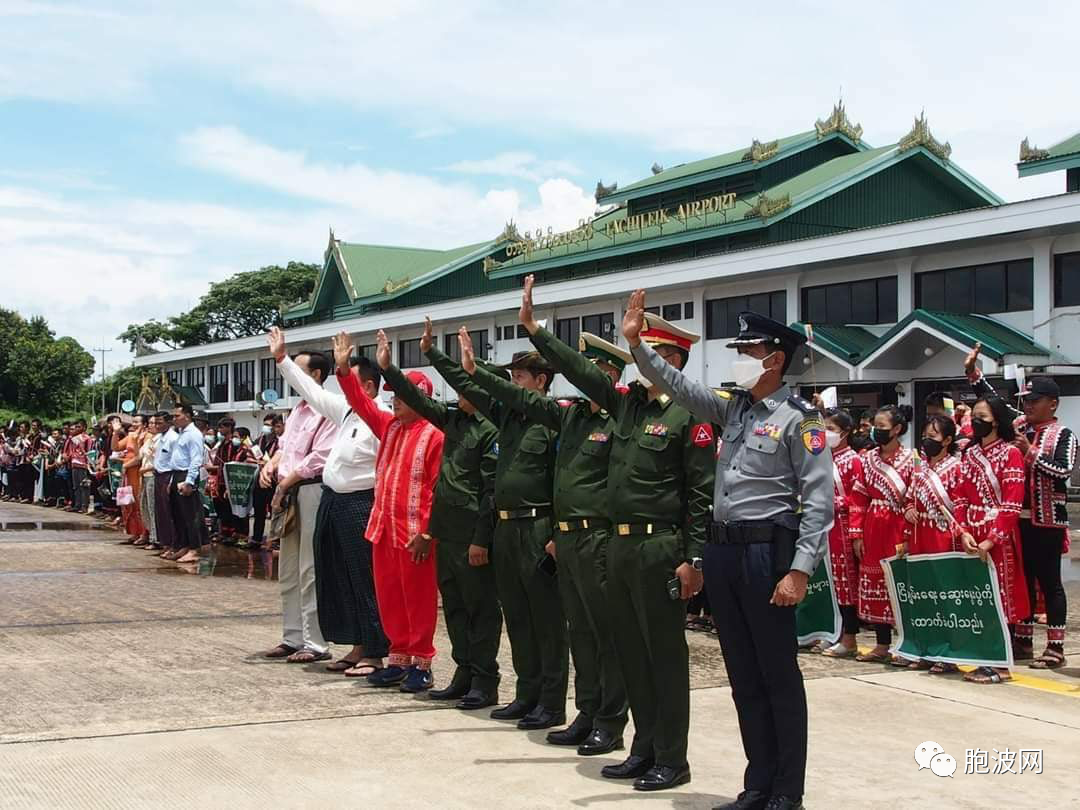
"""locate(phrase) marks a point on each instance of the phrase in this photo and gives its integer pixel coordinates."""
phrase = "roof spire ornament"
(765, 206)
(920, 136)
(605, 191)
(657, 168)
(838, 122)
(1029, 152)
(509, 233)
(759, 151)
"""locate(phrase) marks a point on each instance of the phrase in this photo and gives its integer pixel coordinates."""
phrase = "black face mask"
(858, 441)
(881, 436)
(981, 428)
(931, 447)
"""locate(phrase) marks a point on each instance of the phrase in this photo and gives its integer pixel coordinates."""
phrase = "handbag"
(125, 496)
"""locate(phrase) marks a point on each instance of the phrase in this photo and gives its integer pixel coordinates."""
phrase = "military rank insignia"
(813, 434)
(702, 435)
(598, 437)
(768, 429)
(654, 429)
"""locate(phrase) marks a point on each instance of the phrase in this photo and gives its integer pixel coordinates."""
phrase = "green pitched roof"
(998, 340)
(377, 269)
(1062, 155)
(846, 342)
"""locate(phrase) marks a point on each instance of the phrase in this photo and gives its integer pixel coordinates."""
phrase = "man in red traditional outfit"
(403, 557)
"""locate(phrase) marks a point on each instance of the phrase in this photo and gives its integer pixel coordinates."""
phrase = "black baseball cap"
(1040, 387)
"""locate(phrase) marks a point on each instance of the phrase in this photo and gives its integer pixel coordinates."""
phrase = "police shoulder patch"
(812, 430)
(702, 434)
(801, 405)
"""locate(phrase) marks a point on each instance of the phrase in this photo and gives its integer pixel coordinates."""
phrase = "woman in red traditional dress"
(932, 503)
(877, 522)
(847, 469)
(992, 495)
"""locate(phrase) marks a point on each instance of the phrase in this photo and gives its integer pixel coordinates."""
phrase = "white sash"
(938, 487)
(891, 475)
(988, 471)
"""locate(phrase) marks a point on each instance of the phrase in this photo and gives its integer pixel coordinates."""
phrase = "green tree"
(242, 305)
(39, 373)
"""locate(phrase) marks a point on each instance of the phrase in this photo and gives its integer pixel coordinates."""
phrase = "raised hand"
(382, 350)
(972, 358)
(425, 339)
(634, 319)
(525, 314)
(468, 358)
(342, 350)
(276, 339)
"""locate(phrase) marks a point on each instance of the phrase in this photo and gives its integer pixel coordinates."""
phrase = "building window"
(602, 325)
(270, 376)
(409, 354)
(671, 312)
(367, 350)
(653, 310)
(688, 310)
(243, 380)
(219, 383)
(867, 301)
(196, 377)
(522, 332)
(452, 348)
(175, 377)
(1067, 280)
(986, 288)
(722, 314)
(568, 330)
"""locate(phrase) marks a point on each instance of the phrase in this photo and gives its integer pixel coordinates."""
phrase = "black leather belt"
(521, 514)
(583, 524)
(742, 532)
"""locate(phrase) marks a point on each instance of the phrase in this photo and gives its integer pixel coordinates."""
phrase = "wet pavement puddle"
(49, 526)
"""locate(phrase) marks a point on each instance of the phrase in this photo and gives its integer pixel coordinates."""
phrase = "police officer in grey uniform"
(772, 511)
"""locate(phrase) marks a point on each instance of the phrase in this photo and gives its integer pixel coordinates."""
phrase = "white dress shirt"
(350, 467)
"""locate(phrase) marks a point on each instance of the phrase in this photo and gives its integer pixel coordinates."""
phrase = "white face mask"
(832, 438)
(746, 371)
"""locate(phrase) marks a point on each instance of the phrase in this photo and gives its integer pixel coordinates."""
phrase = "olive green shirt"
(462, 509)
(583, 446)
(661, 464)
(525, 450)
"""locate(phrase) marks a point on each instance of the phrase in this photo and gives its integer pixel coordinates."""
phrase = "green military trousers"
(650, 638)
(533, 611)
(599, 690)
(471, 611)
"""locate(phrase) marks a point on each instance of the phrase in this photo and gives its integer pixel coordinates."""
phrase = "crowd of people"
(599, 528)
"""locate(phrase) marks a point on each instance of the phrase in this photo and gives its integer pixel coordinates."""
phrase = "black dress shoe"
(747, 800)
(540, 718)
(630, 768)
(514, 710)
(599, 742)
(478, 699)
(574, 734)
(780, 802)
(663, 777)
(458, 688)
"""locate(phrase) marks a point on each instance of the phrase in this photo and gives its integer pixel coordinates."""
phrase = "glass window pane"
(816, 310)
(758, 303)
(451, 347)
(688, 310)
(989, 293)
(672, 312)
(886, 299)
(838, 304)
(958, 290)
(1019, 282)
(864, 302)
(930, 291)
(219, 383)
(778, 306)
(522, 332)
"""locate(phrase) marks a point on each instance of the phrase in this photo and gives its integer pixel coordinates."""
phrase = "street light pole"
(102, 350)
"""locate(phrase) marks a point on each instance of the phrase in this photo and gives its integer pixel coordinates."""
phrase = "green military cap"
(601, 351)
(533, 362)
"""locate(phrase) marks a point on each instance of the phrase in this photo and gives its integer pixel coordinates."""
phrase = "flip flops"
(838, 650)
(362, 671)
(986, 675)
(341, 665)
(1050, 659)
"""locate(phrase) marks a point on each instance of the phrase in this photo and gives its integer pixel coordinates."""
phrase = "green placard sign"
(240, 480)
(817, 617)
(116, 474)
(948, 608)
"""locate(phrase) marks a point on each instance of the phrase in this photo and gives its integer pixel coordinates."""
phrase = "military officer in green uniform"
(772, 511)
(659, 490)
(463, 523)
(525, 573)
(581, 539)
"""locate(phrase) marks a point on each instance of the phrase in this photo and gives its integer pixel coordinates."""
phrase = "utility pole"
(102, 350)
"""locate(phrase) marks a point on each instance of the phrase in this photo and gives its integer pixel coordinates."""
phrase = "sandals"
(306, 656)
(341, 665)
(1050, 659)
(838, 650)
(920, 665)
(362, 671)
(943, 668)
(986, 675)
(874, 658)
(280, 651)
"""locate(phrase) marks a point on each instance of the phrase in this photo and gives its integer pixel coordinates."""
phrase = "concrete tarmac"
(129, 682)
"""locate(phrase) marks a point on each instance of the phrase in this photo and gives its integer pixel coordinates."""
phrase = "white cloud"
(520, 165)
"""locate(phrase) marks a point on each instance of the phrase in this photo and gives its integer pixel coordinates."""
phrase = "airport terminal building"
(898, 259)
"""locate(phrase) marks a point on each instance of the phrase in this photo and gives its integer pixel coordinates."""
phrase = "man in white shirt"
(344, 587)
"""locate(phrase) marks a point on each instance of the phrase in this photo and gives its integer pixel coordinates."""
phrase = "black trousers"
(80, 494)
(260, 506)
(1041, 548)
(760, 653)
(187, 514)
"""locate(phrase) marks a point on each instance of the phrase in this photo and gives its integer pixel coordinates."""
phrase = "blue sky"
(149, 148)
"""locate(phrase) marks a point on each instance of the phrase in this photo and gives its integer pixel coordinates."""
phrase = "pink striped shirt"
(306, 442)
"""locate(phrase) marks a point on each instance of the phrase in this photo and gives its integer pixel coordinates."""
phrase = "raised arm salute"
(657, 497)
(772, 509)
